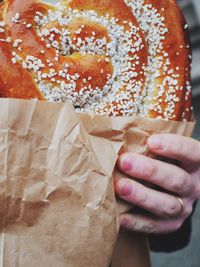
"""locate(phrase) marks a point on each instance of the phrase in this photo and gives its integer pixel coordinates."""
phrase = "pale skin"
(165, 212)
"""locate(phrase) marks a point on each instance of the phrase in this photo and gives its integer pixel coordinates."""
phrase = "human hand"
(181, 183)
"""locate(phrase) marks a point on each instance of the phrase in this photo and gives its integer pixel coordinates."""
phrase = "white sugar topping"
(152, 24)
(117, 51)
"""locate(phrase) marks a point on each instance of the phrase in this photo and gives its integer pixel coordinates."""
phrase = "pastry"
(110, 57)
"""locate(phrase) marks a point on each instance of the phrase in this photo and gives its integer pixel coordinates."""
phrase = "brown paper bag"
(57, 202)
(132, 248)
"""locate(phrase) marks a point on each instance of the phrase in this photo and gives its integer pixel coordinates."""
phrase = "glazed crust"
(39, 65)
(33, 45)
(15, 81)
(177, 45)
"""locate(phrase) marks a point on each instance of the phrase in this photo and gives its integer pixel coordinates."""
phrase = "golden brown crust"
(15, 81)
(143, 75)
(176, 44)
(86, 66)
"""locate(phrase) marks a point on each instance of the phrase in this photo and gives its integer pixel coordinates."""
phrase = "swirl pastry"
(114, 57)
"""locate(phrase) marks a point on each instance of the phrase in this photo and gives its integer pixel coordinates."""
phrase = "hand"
(165, 212)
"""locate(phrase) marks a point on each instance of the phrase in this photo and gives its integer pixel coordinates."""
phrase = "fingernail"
(125, 163)
(124, 188)
(155, 142)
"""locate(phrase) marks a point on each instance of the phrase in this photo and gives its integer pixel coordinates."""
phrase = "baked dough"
(111, 57)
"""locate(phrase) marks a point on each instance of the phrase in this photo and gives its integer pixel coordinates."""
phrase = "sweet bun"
(111, 57)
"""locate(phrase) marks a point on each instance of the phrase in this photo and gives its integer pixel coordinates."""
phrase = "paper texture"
(132, 248)
(57, 202)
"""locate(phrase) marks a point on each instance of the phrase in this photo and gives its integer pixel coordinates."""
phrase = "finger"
(145, 224)
(158, 203)
(165, 175)
(181, 148)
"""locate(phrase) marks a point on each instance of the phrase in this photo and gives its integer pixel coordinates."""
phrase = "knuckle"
(141, 199)
(173, 209)
(151, 171)
(180, 184)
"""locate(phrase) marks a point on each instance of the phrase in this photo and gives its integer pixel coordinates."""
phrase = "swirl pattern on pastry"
(110, 57)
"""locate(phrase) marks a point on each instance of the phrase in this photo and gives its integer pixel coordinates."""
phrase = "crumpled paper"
(132, 249)
(57, 201)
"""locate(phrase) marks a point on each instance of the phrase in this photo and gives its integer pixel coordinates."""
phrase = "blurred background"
(190, 256)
